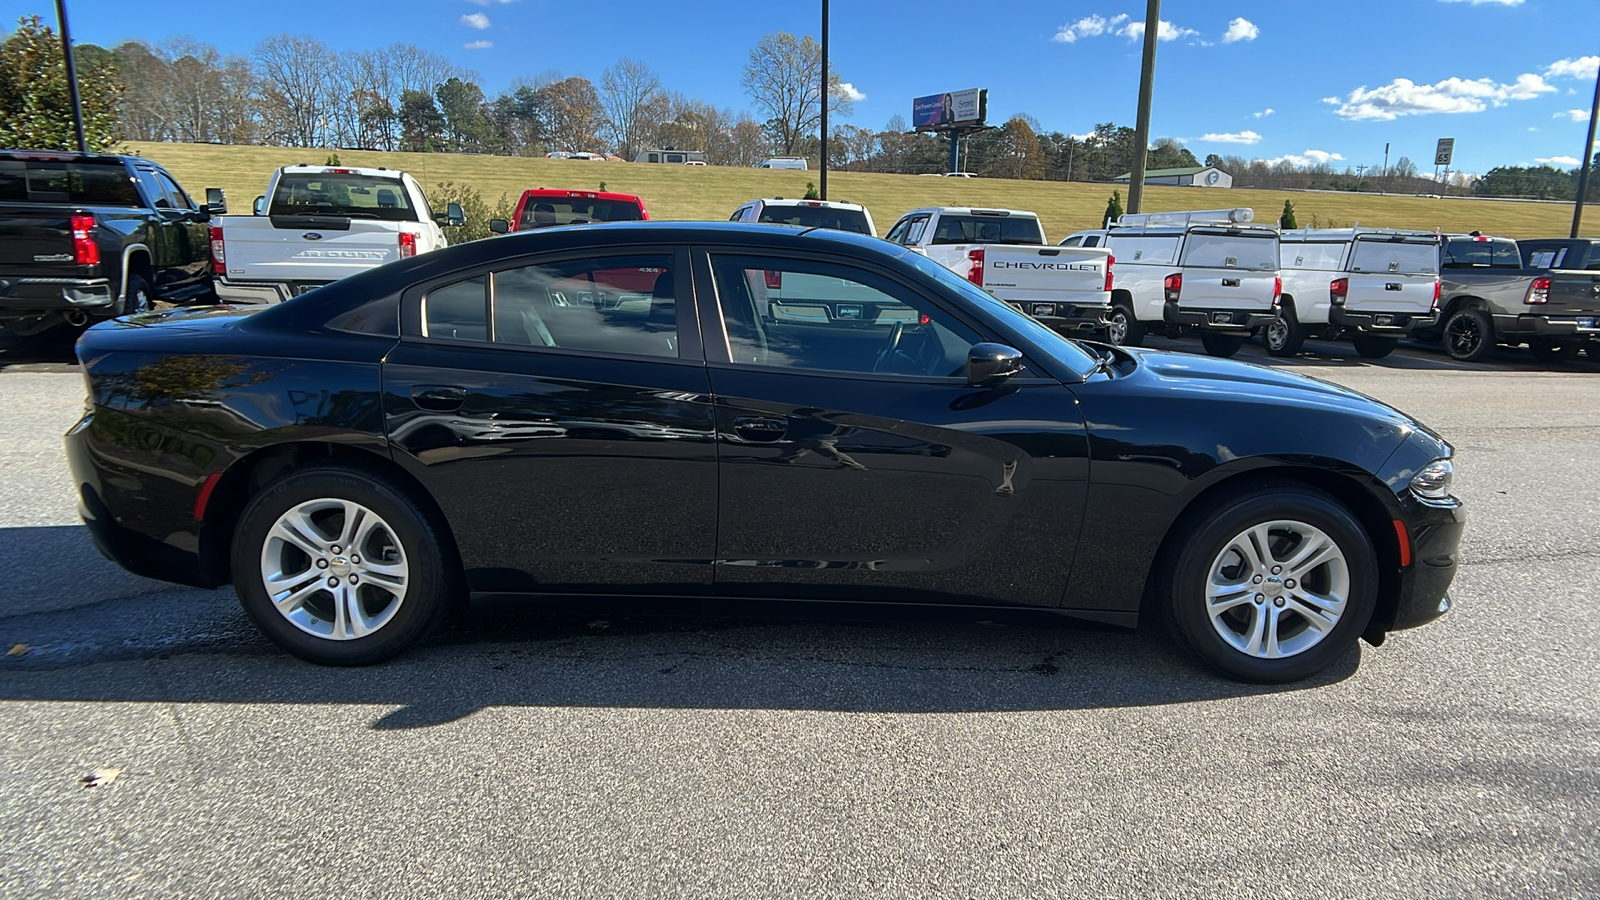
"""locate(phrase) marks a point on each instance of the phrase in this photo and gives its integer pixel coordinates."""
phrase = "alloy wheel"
(334, 569)
(1277, 333)
(1117, 327)
(1277, 589)
(1463, 335)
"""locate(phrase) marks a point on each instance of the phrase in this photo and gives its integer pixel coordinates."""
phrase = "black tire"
(1285, 336)
(1374, 346)
(1553, 349)
(429, 569)
(1206, 544)
(1131, 329)
(1468, 335)
(136, 296)
(1221, 345)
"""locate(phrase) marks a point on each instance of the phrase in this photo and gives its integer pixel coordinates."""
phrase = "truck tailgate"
(1239, 289)
(1020, 274)
(302, 250)
(1572, 292)
(1377, 292)
(36, 243)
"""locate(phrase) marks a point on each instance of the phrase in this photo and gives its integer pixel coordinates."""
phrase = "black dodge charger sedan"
(745, 412)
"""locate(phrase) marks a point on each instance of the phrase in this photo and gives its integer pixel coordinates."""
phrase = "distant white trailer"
(672, 157)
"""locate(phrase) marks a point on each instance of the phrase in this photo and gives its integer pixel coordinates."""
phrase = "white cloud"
(1309, 158)
(1531, 128)
(1264, 113)
(1080, 138)
(1237, 137)
(1557, 161)
(1584, 67)
(475, 20)
(851, 92)
(1573, 115)
(1403, 97)
(1482, 2)
(1088, 26)
(1165, 31)
(1240, 30)
(477, 45)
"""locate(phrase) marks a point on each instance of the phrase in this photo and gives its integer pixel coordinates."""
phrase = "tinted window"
(175, 194)
(1464, 253)
(614, 304)
(457, 311)
(51, 181)
(812, 315)
(543, 212)
(988, 230)
(898, 232)
(1073, 241)
(1396, 257)
(356, 196)
(817, 217)
(1213, 250)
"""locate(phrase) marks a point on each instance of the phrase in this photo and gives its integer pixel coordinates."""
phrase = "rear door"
(191, 226)
(1229, 269)
(858, 464)
(1392, 275)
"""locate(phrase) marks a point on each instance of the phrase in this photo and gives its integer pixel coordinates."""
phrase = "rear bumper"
(1396, 323)
(30, 296)
(232, 291)
(1239, 320)
(1066, 318)
(1586, 325)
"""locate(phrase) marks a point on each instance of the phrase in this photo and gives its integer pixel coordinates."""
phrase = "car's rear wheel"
(1222, 345)
(1285, 335)
(1468, 335)
(1374, 346)
(1122, 328)
(340, 567)
(1553, 349)
(135, 296)
(1274, 586)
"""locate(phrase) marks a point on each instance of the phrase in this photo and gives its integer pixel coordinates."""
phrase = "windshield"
(543, 212)
(817, 217)
(1224, 250)
(1068, 353)
(1396, 257)
(355, 196)
(988, 230)
(54, 181)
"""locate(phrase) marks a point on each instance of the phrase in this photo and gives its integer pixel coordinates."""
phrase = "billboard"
(957, 108)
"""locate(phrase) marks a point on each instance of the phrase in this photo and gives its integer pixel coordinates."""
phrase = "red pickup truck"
(545, 207)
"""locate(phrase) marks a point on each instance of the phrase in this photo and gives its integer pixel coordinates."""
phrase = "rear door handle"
(438, 399)
(760, 428)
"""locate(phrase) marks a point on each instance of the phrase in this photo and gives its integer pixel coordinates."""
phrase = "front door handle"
(438, 399)
(760, 428)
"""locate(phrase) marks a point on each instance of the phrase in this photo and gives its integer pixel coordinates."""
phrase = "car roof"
(973, 210)
(579, 192)
(791, 201)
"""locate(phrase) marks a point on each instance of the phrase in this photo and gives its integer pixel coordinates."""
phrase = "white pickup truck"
(1376, 284)
(1207, 270)
(1004, 252)
(318, 224)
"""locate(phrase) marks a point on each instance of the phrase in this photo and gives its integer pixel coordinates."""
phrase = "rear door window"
(611, 304)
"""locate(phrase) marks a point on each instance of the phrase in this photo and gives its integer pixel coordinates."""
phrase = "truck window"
(356, 196)
(817, 217)
(1470, 253)
(1317, 256)
(543, 212)
(60, 181)
(1145, 249)
(1395, 257)
(960, 229)
(1224, 250)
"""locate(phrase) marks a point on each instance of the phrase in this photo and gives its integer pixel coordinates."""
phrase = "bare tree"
(784, 80)
(295, 88)
(626, 92)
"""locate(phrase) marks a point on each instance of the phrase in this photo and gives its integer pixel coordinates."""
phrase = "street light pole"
(823, 190)
(1141, 128)
(72, 75)
(1586, 161)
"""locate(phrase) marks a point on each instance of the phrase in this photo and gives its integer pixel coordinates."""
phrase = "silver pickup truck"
(1488, 297)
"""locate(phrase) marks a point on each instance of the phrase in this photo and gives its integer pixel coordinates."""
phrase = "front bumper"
(31, 296)
(1231, 320)
(1435, 535)
(1373, 322)
(1585, 325)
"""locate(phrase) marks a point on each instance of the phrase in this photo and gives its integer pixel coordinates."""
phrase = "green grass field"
(713, 192)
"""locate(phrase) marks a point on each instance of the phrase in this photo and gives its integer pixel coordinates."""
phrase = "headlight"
(1433, 482)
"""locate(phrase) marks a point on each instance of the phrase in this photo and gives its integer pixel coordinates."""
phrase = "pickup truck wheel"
(135, 296)
(1122, 328)
(1468, 335)
(1220, 345)
(1274, 586)
(1374, 346)
(1551, 350)
(1285, 335)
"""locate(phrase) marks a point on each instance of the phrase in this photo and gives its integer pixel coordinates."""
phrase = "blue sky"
(1511, 80)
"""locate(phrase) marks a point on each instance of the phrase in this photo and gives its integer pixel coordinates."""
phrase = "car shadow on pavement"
(1411, 354)
(158, 643)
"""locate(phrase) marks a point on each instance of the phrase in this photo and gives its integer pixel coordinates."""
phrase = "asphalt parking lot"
(607, 754)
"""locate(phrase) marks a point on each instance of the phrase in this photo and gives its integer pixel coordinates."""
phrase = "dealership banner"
(945, 110)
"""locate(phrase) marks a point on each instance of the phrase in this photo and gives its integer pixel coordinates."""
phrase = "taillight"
(1277, 287)
(85, 252)
(1438, 291)
(1172, 286)
(408, 244)
(219, 256)
(774, 280)
(1338, 290)
(1539, 291)
(1110, 261)
(975, 272)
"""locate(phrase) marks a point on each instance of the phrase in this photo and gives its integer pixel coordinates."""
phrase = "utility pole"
(1586, 161)
(72, 75)
(1386, 175)
(824, 187)
(1141, 128)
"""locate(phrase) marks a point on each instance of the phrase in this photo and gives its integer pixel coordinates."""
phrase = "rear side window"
(1213, 250)
(817, 217)
(987, 230)
(1470, 253)
(1396, 257)
(56, 181)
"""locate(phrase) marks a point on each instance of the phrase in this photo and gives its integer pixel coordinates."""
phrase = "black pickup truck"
(92, 236)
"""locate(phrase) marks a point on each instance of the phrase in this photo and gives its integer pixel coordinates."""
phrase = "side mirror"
(216, 202)
(453, 216)
(988, 363)
(499, 226)
(258, 206)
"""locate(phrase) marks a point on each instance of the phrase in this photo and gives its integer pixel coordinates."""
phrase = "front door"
(856, 461)
(561, 416)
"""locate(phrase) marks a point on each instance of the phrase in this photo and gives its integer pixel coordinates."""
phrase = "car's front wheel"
(1275, 585)
(339, 566)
